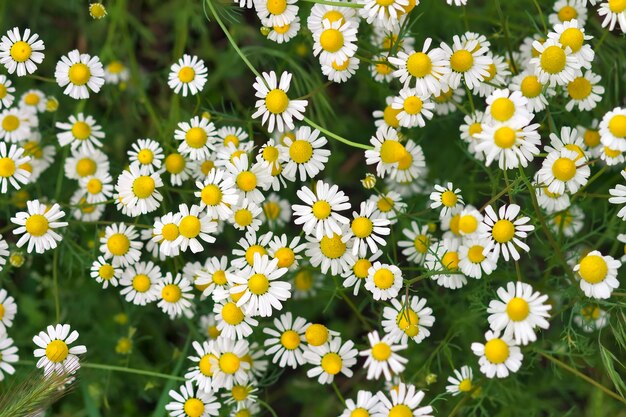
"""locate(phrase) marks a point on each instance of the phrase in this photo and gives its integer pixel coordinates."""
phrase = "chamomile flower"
(21, 53)
(591, 317)
(330, 359)
(357, 270)
(80, 133)
(380, 69)
(276, 211)
(246, 216)
(612, 156)
(202, 372)
(231, 134)
(180, 169)
(139, 193)
(387, 152)
(512, 143)
(448, 198)
(15, 125)
(335, 41)
(320, 216)
(115, 72)
(33, 100)
(555, 64)
(305, 283)
(321, 12)
(330, 253)
(411, 166)
(506, 106)
(97, 189)
(189, 74)
(79, 73)
(382, 357)
(614, 11)
(272, 154)
(175, 295)
(276, 13)
(474, 261)
(340, 73)
(6, 92)
(368, 230)
(568, 138)
(443, 260)
(461, 382)
(598, 274)
(194, 226)
(84, 211)
(405, 401)
(190, 402)
(217, 194)
(568, 222)
(536, 93)
(197, 138)
(519, 311)
(249, 178)
(418, 243)
(232, 322)
(288, 254)
(563, 170)
(499, 356)
(304, 155)
(119, 244)
(165, 233)
(215, 274)
(228, 364)
(388, 117)
(584, 92)
(385, 14)
(284, 33)
(591, 138)
(505, 231)
(147, 153)
(261, 287)
(286, 342)
(364, 406)
(208, 326)
(83, 162)
(54, 351)
(139, 283)
(467, 61)
(389, 205)
(498, 76)
(104, 272)
(274, 106)
(414, 108)
(568, 10)
(447, 102)
(384, 281)
(37, 224)
(8, 355)
(613, 129)
(12, 170)
(618, 196)
(4, 253)
(250, 244)
(8, 309)
(572, 34)
(422, 70)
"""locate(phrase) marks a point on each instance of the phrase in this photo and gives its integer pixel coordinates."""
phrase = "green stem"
(55, 288)
(115, 368)
(336, 3)
(356, 310)
(334, 136)
(336, 388)
(267, 407)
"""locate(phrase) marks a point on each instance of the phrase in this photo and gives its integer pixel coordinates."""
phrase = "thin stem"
(543, 21)
(40, 78)
(55, 285)
(336, 388)
(356, 310)
(116, 368)
(336, 3)
(267, 407)
(334, 136)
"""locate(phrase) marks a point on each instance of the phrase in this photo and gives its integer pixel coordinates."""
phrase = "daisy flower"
(227, 363)
(271, 154)
(83, 162)
(519, 311)
(555, 64)
(138, 192)
(251, 244)
(613, 129)
(54, 351)
(461, 381)
(8, 310)
(414, 108)
(469, 220)
(165, 233)
(37, 224)
(276, 13)
(147, 153)
(614, 11)
(389, 205)
(231, 134)
(357, 270)
(405, 401)
(175, 296)
(598, 274)
(20, 53)
(284, 33)
(250, 179)
(320, 216)
(4, 252)
(116, 72)
(97, 189)
(288, 254)
(197, 138)
(380, 69)
(474, 260)
(505, 106)
(232, 322)
(217, 194)
(104, 272)
(412, 164)
(416, 247)
(330, 253)
(536, 93)
(15, 125)
(387, 152)
(286, 342)
(139, 283)
(276, 211)
(571, 34)
(448, 198)
(568, 222)
(368, 230)
(385, 14)
(202, 372)
(194, 225)
(246, 216)
(382, 357)
(505, 231)
(275, 107)
(443, 260)
(119, 244)
(567, 10)
(467, 60)
(568, 138)
(6, 92)
(618, 196)
(405, 320)
(305, 283)
(422, 69)
(591, 318)
(180, 169)
(335, 41)
(321, 12)
(364, 406)
(340, 73)
(330, 359)
(80, 133)
(384, 281)
(215, 274)
(208, 326)
(499, 74)
(79, 73)
(262, 290)
(498, 356)
(190, 402)
(512, 143)
(189, 75)
(611, 156)
(12, 167)
(304, 155)
(387, 118)
(8, 355)
(584, 92)
(563, 170)
(33, 100)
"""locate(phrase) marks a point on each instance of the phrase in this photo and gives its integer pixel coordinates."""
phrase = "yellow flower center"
(258, 284)
(7, 167)
(496, 351)
(246, 181)
(81, 130)
(454, 224)
(276, 101)
(590, 312)
(232, 314)
(270, 153)
(383, 68)
(321, 209)
(276, 6)
(362, 227)
(243, 217)
(465, 385)
(331, 40)
(361, 267)
(530, 86)
(115, 67)
(94, 186)
(593, 269)
(567, 13)
(617, 6)
(303, 281)
(106, 272)
(86, 167)
(213, 332)
(564, 169)
(290, 339)
(175, 163)
(412, 105)
(502, 109)
(408, 321)
(332, 363)
(281, 29)
(171, 293)
(3, 91)
(300, 151)
(461, 60)
(316, 334)
(475, 254)
(37, 225)
(239, 392)
(340, 67)
(145, 156)
(448, 198)
(503, 231)
(573, 38)
(492, 71)
(31, 99)
(272, 210)
(468, 224)
(10, 123)
(617, 126)
(193, 407)
(79, 74)
(517, 309)
(205, 365)
(384, 278)
(57, 351)
(385, 3)
(333, 16)
(359, 412)
(419, 64)
(612, 153)
(196, 137)
(190, 226)
(141, 283)
(474, 129)
(504, 137)
(186, 74)
(579, 89)
(421, 243)
(229, 363)
(400, 410)
(332, 247)
(143, 186)
(381, 351)
(211, 195)
(450, 260)
(170, 232)
(553, 59)
(252, 250)
(591, 138)
(285, 257)
(21, 51)
(391, 151)
(385, 204)
(390, 116)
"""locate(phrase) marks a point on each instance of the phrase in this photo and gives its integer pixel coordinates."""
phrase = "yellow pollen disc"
(31, 99)
(186, 74)
(81, 130)
(86, 167)
(385, 204)
(579, 89)
(219, 277)
(321, 209)
(7, 167)
(196, 137)
(504, 137)
(384, 278)
(530, 86)
(276, 101)
(21, 51)
(143, 186)
(465, 385)
(190, 226)
(361, 268)
(359, 412)
(617, 126)
(421, 243)
(213, 332)
(170, 232)
(232, 314)
(106, 272)
(10, 123)
(57, 351)
(408, 321)
(591, 138)
(79, 74)
(272, 210)
(593, 269)
(612, 153)
(517, 309)
(206, 167)
(391, 151)
(362, 227)
(211, 195)
(400, 410)
(573, 38)
(575, 148)
(115, 67)
(331, 40)
(340, 67)
(229, 363)
(405, 161)
(174, 163)
(27, 167)
(316, 334)
(384, 3)
(205, 365)
(37, 225)
(171, 293)
(468, 224)
(475, 254)
(503, 231)
(390, 116)
(98, 11)
(270, 153)
(3, 91)
(332, 247)
(448, 198)
(281, 29)
(252, 250)
(567, 13)
(239, 392)
(141, 283)
(276, 6)
(246, 181)
(258, 284)
(244, 412)
(332, 363)
(285, 257)
(94, 186)
(564, 169)
(243, 217)
(145, 156)
(496, 351)
(381, 351)
(474, 129)
(300, 151)
(502, 109)
(290, 339)
(461, 60)
(590, 312)
(454, 224)
(553, 59)
(617, 6)
(492, 71)
(450, 260)
(412, 105)
(333, 16)
(444, 97)
(193, 407)
(419, 64)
